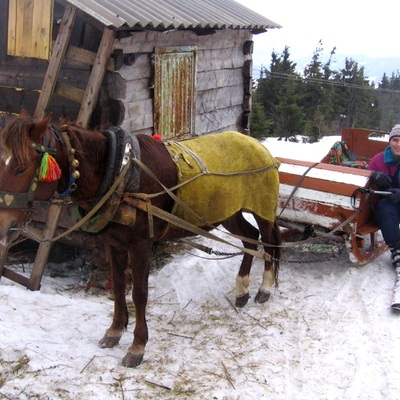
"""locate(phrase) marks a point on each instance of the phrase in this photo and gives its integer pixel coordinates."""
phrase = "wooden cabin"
(176, 68)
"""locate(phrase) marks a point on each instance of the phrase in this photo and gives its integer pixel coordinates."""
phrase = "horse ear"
(24, 113)
(39, 128)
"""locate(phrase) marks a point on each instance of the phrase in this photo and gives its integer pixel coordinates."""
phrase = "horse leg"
(118, 260)
(270, 233)
(141, 261)
(240, 226)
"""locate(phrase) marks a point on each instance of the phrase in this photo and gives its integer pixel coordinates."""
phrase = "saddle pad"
(225, 173)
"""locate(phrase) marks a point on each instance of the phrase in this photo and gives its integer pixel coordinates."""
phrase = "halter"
(12, 200)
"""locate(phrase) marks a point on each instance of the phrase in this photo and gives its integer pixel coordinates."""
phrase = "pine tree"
(317, 95)
(356, 100)
(277, 91)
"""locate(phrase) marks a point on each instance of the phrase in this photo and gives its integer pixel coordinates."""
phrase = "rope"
(298, 184)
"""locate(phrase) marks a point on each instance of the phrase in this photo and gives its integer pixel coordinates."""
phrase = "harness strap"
(173, 219)
(97, 207)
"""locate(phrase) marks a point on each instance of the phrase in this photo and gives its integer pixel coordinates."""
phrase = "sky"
(357, 29)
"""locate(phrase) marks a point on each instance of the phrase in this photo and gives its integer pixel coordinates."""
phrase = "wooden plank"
(29, 28)
(56, 60)
(96, 77)
(78, 55)
(24, 20)
(15, 277)
(69, 92)
(12, 27)
(42, 27)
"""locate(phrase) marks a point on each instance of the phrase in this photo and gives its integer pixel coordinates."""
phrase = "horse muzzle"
(9, 232)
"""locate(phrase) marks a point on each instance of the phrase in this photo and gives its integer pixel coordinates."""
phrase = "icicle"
(49, 170)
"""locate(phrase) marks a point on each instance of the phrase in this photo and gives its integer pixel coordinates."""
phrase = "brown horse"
(28, 174)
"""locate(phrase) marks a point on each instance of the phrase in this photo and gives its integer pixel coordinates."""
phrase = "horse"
(41, 161)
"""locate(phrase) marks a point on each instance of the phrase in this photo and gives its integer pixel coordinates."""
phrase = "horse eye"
(20, 170)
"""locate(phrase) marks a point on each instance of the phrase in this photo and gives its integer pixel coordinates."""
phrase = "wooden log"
(210, 100)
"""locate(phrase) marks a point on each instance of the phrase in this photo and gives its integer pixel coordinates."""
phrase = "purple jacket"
(384, 162)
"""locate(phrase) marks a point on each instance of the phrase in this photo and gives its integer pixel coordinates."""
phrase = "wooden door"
(174, 91)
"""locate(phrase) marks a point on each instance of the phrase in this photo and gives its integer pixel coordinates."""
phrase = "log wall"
(220, 78)
(126, 97)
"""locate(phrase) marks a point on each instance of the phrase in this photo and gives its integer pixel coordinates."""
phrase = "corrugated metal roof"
(174, 14)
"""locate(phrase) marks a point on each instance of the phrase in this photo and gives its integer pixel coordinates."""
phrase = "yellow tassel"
(49, 169)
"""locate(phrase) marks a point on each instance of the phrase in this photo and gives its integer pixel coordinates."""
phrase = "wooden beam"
(59, 50)
(78, 55)
(96, 77)
(3, 258)
(42, 254)
(69, 92)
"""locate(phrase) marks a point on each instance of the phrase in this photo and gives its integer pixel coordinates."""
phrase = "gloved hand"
(382, 180)
(395, 197)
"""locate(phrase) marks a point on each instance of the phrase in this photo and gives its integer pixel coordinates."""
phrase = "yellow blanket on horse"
(223, 173)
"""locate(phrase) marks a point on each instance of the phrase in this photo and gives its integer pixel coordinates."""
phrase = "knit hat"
(395, 132)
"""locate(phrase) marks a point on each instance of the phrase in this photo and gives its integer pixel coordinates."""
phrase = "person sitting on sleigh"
(386, 167)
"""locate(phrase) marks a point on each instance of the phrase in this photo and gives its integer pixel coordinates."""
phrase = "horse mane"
(15, 139)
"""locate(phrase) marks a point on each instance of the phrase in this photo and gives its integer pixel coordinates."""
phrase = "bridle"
(25, 200)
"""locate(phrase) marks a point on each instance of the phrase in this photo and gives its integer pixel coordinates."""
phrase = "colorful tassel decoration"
(49, 170)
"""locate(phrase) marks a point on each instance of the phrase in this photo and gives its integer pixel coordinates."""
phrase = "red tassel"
(49, 169)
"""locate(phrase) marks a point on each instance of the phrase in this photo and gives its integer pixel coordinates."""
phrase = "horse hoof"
(108, 341)
(132, 360)
(241, 301)
(262, 297)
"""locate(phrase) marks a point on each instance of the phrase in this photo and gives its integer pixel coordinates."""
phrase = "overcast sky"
(356, 28)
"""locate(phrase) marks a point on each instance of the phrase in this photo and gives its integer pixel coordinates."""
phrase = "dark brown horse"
(29, 174)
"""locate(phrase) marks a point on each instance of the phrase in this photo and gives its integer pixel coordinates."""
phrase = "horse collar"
(121, 146)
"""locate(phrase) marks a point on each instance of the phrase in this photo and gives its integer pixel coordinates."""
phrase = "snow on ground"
(327, 332)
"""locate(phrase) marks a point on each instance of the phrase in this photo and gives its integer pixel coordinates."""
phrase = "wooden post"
(57, 57)
(45, 246)
(3, 257)
(96, 77)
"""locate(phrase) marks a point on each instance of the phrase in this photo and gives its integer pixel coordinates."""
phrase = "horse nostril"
(13, 225)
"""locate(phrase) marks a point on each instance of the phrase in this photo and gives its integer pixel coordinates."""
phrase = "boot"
(395, 251)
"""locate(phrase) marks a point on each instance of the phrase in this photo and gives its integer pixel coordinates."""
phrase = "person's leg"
(387, 215)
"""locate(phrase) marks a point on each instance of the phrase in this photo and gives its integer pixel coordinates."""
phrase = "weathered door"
(174, 91)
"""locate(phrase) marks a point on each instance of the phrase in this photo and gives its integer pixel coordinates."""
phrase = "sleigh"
(327, 199)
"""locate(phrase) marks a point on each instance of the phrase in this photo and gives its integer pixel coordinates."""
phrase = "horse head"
(21, 154)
